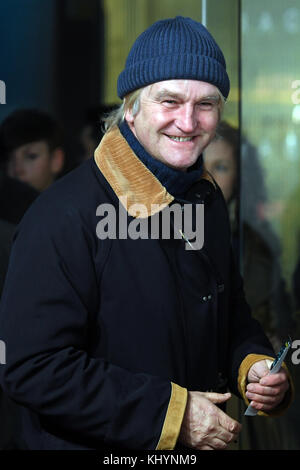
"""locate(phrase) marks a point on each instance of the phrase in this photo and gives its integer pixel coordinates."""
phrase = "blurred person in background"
(15, 199)
(263, 283)
(32, 145)
(31, 158)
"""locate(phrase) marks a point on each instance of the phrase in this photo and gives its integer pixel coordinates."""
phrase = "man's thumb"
(217, 397)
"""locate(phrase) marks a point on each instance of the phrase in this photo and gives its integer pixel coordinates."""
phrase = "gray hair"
(115, 117)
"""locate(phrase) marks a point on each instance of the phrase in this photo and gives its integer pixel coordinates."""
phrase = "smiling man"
(134, 343)
(176, 121)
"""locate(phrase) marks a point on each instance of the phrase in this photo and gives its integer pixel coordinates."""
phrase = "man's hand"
(204, 425)
(264, 391)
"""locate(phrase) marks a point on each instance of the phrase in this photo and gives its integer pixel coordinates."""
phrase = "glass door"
(258, 162)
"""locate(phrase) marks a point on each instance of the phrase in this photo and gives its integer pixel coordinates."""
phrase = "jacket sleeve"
(50, 295)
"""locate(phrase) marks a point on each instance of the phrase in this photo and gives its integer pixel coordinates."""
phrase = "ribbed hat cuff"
(175, 66)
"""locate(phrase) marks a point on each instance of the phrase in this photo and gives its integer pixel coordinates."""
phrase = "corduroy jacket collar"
(129, 178)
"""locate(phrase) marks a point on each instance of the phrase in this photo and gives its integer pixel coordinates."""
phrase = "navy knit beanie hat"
(174, 48)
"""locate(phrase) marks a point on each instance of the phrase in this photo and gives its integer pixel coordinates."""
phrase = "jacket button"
(200, 197)
(204, 298)
(209, 296)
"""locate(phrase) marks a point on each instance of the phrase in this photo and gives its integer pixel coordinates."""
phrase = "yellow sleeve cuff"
(242, 384)
(173, 419)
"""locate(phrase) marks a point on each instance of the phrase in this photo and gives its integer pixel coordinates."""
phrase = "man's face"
(177, 119)
(33, 164)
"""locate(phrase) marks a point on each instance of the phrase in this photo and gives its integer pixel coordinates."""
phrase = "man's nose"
(186, 120)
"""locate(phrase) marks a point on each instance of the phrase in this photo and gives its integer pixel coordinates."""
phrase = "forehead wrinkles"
(185, 90)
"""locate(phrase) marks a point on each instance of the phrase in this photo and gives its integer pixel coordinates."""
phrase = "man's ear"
(129, 117)
(57, 160)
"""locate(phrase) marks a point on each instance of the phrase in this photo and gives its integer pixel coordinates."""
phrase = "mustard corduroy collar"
(129, 178)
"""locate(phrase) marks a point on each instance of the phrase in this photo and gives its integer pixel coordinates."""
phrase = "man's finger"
(217, 397)
(218, 444)
(225, 435)
(263, 390)
(262, 406)
(273, 379)
(265, 399)
(234, 427)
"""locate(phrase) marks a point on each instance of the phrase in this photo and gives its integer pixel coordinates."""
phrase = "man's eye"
(207, 104)
(169, 102)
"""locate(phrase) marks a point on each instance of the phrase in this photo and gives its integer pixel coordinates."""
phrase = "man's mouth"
(180, 139)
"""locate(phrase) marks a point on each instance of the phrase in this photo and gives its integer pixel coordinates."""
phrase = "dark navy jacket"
(105, 337)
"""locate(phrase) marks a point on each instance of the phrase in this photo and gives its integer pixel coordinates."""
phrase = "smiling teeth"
(180, 139)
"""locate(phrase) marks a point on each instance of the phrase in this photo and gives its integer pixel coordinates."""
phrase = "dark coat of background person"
(15, 198)
(7, 231)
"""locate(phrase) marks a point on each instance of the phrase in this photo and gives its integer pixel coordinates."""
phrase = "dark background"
(51, 53)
